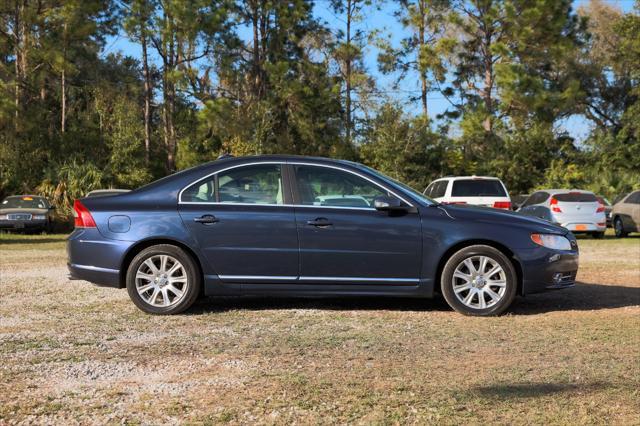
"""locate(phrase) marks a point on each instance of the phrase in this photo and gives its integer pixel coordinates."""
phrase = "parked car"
(607, 208)
(178, 237)
(626, 215)
(106, 192)
(576, 210)
(26, 213)
(517, 200)
(475, 190)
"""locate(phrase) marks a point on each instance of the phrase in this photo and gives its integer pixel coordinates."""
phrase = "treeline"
(268, 76)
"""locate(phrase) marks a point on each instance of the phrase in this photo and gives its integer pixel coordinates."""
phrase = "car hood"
(506, 217)
(28, 211)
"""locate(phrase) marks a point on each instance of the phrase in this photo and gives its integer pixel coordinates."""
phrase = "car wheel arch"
(141, 245)
(466, 243)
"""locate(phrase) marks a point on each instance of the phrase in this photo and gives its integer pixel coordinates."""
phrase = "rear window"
(478, 188)
(576, 197)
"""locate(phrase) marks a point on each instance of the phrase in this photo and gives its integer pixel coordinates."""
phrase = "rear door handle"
(320, 222)
(206, 219)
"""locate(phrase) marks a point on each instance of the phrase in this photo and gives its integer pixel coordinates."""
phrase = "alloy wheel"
(479, 282)
(161, 281)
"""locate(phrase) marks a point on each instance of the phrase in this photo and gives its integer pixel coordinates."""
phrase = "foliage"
(262, 76)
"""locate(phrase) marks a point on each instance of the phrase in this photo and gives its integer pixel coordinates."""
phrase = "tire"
(598, 235)
(168, 292)
(503, 283)
(618, 227)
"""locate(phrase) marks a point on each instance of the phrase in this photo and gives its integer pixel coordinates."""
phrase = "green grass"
(20, 241)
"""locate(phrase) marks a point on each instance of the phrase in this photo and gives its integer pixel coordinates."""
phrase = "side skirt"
(213, 286)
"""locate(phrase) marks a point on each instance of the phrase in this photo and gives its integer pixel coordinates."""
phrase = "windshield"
(477, 188)
(24, 203)
(415, 194)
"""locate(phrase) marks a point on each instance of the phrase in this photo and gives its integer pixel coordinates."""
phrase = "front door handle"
(320, 222)
(206, 219)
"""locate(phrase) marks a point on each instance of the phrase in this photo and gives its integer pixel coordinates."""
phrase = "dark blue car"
(298, 226)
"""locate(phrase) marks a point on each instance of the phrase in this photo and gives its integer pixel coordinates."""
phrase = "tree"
(183, 32)
(348, 53)
(405, 148)
(424, 50)
(275, 93)
(137, 24)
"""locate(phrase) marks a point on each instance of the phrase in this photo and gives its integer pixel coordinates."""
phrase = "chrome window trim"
(295, 163)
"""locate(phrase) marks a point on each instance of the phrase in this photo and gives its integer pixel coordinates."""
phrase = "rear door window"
(576, 197)
(258, 184)
(478, 188)
(254, 184)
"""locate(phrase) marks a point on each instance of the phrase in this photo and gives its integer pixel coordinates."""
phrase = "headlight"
(556, 242)
(38, 217)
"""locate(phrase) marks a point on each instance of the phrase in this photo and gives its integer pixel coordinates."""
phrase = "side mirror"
(386, 204)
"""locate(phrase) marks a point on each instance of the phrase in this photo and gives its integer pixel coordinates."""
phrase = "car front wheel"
(618, 227)
(479, 280)
(163, 279)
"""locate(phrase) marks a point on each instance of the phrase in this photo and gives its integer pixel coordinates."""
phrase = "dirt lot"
(74, 353)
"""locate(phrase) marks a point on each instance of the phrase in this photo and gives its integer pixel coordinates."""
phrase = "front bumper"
(546, 269)
(23, 224)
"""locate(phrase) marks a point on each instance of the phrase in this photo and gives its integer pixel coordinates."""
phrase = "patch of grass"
(18, 241)
(70, 350)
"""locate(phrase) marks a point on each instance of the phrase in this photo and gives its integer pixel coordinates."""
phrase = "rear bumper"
(585, 226)
(96, 259)
(544, 269)
(100, 276)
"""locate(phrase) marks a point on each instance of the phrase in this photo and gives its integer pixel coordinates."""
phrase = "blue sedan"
(302, 226)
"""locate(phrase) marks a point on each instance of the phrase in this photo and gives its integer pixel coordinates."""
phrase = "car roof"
(467, 178)
(278, 157)
(562, 191)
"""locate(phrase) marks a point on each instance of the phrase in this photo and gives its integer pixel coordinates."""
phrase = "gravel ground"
(73, 353)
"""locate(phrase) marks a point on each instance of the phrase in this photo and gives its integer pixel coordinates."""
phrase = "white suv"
(477, 190)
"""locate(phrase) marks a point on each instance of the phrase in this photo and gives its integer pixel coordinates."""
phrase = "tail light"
(554, 206)
(454, 202)
(602, 224)
(600, 208)
(502, 205)
(82, 216)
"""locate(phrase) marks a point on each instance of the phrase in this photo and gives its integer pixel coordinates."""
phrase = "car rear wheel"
(479, 280)
(163, 279)
(618, 227)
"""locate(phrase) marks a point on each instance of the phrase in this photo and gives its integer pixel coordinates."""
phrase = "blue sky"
(383, 20)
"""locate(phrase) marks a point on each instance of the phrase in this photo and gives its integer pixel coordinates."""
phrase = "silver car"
(577, 210)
